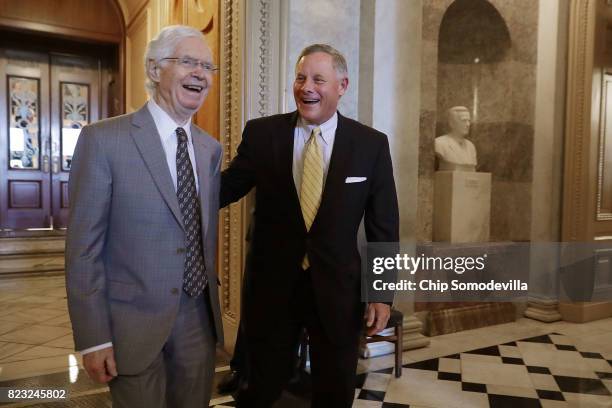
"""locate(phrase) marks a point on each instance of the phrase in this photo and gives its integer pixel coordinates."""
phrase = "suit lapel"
(203, 163)
(336, 173)
(149, 145)
(284, 158)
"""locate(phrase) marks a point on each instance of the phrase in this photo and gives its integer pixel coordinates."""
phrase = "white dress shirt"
(166, 127)
(326, 142)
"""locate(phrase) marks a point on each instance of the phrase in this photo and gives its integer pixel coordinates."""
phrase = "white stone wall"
(396, 97)
(333, 22)
(548, 142)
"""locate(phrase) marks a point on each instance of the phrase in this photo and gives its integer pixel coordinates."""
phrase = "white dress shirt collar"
(164, 123)
(328, 128)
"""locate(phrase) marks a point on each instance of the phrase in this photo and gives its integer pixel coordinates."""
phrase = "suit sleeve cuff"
(96, 348)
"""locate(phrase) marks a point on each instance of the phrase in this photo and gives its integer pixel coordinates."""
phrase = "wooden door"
(74, 103)
(46, 99)
(25, 183)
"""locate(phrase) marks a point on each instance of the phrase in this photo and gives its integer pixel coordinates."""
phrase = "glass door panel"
(74, 103)
(24, 132)
(75, 115)
(25, 180)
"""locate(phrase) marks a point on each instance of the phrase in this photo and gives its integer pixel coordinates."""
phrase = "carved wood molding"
(603, 214)
(232, 218)
(264, 64)
(575, 225)
(264, 58)
(251, 68)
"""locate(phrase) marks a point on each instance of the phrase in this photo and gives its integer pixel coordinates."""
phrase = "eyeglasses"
(191, 64)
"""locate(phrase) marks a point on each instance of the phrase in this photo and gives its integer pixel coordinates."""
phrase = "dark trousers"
(238, 361)
(272, 360)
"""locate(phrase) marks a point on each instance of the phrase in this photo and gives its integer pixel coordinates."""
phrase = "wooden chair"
(396, 320)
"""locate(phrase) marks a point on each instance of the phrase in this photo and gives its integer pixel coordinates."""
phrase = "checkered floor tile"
(542, 371)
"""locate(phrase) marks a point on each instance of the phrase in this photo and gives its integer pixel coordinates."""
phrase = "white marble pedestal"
(462, 206)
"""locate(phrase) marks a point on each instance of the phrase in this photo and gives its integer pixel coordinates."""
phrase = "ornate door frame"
(232, 218)
(253, 43)
(583, 220)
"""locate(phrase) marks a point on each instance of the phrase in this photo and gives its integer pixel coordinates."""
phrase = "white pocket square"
(355, 179)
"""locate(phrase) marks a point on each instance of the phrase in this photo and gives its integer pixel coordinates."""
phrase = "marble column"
(412, 334)
(543, 309)
(547, 160)
(390, 89)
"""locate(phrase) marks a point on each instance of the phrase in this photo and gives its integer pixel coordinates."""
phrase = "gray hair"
(338, 60)
(163, 46)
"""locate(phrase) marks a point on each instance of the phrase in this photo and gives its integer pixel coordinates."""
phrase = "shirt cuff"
(96, 348)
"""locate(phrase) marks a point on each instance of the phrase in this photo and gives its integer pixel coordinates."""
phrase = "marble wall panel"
(523, 83)
(494, 92)
(433, 10)
(492, 84)
(424, 218)
(513, 11)
(510, 211)
(367, 34)
(426, 143)
(504, 149)
(318, 21)
(455, 87)
(425, 197)
(429, 68)
(524, 42)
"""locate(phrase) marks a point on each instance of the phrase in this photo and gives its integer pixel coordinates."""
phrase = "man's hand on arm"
(100, 365)
(376, 317)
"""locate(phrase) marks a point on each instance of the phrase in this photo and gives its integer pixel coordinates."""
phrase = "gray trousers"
(181, 375)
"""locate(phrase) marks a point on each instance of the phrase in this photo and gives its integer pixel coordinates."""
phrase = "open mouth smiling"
(310, 101)
(194, 88)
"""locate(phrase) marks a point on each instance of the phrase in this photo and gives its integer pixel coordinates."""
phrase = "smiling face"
(317, 87)
(181, 90)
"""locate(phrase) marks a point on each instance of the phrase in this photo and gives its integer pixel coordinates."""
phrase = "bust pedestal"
(503, 259)
(462, 206)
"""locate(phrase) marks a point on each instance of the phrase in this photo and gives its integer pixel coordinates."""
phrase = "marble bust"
(453, 150)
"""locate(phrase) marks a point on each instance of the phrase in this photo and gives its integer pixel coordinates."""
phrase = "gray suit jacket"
(125, 243)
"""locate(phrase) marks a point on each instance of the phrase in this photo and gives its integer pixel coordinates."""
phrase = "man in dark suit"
(317, 175)
(142, 235)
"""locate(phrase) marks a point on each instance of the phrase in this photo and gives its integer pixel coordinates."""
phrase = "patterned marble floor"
(539, 371)
(521, 364)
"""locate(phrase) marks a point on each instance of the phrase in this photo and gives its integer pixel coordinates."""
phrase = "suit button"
(180, 250)
(174, 291)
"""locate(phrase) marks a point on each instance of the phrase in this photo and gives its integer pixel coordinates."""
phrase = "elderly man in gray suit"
(140, 250)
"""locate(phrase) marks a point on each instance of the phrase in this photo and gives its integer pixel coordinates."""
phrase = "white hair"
(456, 109)
(163, 46)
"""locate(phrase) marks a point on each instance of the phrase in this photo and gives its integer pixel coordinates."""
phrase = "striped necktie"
(312, 183)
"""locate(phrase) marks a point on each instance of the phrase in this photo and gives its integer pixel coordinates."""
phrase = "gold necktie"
(312, 183)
